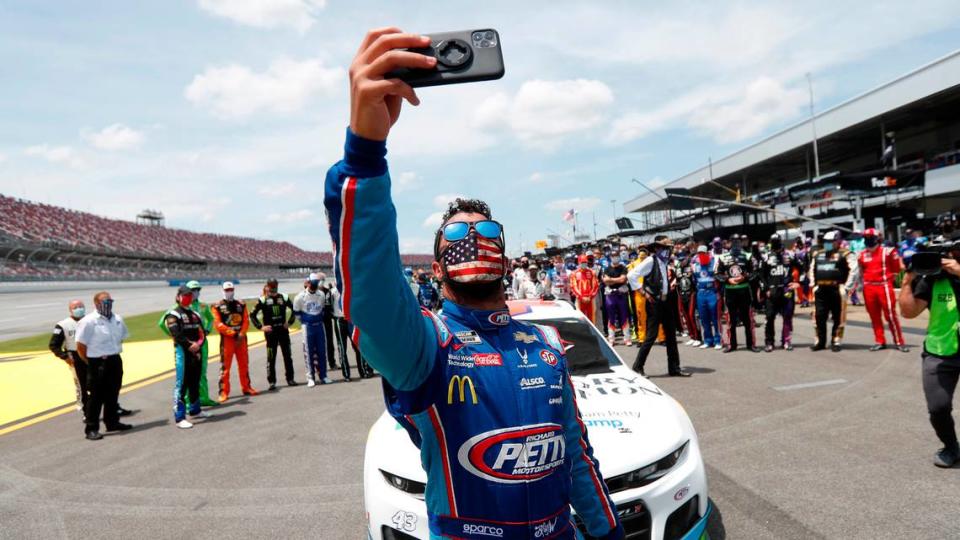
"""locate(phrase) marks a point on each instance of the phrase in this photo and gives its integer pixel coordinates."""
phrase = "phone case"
(464, 56)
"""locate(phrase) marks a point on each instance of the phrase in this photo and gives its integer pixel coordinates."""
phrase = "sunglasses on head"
(458, 230)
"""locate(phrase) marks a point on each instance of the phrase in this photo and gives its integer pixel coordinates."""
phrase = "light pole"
(813, 126)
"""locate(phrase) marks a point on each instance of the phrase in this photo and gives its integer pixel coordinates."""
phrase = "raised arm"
(395, 337)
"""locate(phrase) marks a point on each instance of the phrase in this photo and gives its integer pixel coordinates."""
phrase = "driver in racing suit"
(453, 380)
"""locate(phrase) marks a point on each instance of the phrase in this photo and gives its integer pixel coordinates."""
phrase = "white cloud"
(536, 177)
(416, 245)
(276, 191)
(765, 103)
(293, 216)
(580, 204)
(55, 154)
(543, 112)
(406, 181)
(234, 91)
(297, 14)
(115, 137)
(441, 201)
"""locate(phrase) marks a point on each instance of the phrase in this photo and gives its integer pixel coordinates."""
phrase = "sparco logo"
(514, 455)
(544, 529)
(483, 530)
(499, 318)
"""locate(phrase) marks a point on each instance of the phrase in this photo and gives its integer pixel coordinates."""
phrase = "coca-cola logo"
(514, 455)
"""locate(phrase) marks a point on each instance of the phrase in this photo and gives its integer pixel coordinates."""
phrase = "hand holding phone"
(463, 56)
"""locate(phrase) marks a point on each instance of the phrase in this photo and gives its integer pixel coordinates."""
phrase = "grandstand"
(43, 242)
(888, 158)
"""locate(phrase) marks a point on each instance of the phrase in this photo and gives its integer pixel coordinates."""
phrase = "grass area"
(142, 327)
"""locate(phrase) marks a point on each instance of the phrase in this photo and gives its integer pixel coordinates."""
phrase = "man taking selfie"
(448, 379)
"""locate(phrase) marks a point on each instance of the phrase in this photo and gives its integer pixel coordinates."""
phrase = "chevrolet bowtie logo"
(460, 384)
(524, 337)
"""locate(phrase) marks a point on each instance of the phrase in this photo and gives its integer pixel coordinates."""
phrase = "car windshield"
(587, 351)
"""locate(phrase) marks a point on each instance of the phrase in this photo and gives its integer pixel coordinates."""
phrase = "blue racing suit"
(707, 298)
(186, 328)
(309, 307)
(497, 467)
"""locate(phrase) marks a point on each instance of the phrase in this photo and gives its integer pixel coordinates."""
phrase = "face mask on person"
(105, 307)
(584, 266)
(870, 241)
(570, 265)
(615, 260)
(78, 312)
(186, 300)
(663, 254)
(776, 245)
(525, 264)
(314, 283)
(828, 246)
(735, 246)
(464, 281)
(196, 294)
(228, 295)
(704, 258)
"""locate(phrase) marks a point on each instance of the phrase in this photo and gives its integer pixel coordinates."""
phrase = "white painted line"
(809, 385)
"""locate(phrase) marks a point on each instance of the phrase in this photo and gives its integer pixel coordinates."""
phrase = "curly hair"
(472, 206)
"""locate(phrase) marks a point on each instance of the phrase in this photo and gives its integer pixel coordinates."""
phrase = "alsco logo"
(514, 455)
(499, 318)
(461, 383)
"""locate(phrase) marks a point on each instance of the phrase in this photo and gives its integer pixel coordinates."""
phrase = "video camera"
(926, 261)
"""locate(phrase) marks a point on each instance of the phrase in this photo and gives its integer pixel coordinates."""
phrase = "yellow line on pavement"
(47, 415)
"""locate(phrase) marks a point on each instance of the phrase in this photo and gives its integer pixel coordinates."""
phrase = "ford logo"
(516, 454)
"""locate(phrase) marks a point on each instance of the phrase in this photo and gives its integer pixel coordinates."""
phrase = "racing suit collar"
(477, 318)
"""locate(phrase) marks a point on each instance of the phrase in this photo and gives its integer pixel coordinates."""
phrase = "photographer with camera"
(936, 289)
(441, 377)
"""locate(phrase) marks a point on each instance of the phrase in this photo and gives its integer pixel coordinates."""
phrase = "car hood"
(630, 423)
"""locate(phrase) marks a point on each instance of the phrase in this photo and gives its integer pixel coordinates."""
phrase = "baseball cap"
(701, 248)
(184, 289)
(314, 276)
(193, 284)
(870, 232)
(228, 285)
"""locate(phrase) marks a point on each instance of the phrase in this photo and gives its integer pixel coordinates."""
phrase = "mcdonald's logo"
(460, 383)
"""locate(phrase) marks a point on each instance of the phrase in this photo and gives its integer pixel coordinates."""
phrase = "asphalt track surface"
(32, 312)
(790, 453)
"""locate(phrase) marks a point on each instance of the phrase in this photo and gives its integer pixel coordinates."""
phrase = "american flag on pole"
(570, 215)
(474, 261)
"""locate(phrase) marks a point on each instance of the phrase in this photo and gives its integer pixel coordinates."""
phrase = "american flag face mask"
(472, 259)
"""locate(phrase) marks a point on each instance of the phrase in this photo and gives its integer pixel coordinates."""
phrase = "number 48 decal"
(405, 521)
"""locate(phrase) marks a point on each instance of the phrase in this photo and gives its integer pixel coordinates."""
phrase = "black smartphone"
(462, 57)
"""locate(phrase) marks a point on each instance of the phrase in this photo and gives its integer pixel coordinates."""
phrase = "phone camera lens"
(477, 36)
(484, 44)
(487, 35)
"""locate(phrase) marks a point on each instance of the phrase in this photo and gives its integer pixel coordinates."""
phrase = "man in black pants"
(735, 271)
(661, 305)
(939, 292)
(328, 322)
(99, 338)
(278, 315)
(828, 273)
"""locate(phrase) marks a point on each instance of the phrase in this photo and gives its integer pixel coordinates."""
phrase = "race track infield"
(797, 445)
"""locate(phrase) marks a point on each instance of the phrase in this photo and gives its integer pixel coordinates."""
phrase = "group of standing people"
(705, 291)
(91, 343)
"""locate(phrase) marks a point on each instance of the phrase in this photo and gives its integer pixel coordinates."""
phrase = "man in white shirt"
(660, 301)
(99, 339)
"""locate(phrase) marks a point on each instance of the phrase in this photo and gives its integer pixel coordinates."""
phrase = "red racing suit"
(584, 287)
(878, 266)
(230, 318)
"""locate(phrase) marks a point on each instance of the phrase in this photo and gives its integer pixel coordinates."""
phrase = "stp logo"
(514, 455)
(548, 357)
(499, 318)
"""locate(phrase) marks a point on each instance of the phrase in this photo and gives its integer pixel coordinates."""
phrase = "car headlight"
(647, 474)
(417, 489)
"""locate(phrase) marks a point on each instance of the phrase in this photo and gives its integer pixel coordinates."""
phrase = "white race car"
(643, 439)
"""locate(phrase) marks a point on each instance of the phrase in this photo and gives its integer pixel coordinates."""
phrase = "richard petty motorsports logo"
(514, 455)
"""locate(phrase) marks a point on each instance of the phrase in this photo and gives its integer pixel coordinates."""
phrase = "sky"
(226, 114)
